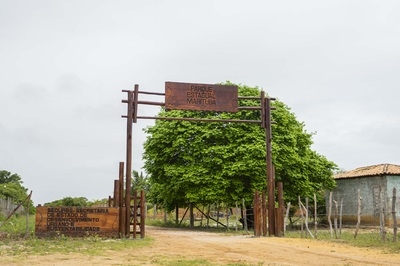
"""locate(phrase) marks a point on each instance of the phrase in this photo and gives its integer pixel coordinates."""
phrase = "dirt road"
(172, 245)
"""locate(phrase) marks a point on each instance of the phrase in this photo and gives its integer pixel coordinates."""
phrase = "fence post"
(335, 215)
(264, 212)
(256, 214)
(382, 214)
(315, 216)
(281, 211)
(237, 216)
(244, 215)
(286, 217)
(394, 215)
(330, 212)
(358, 213)
(341, 217)
(307, 229)
(302, 217)
(27, 221)
(306, 211)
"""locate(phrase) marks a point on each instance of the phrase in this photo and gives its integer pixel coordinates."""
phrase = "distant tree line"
(77, 202)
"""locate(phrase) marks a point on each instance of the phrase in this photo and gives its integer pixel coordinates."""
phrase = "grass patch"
(62, 245)
(17, 226)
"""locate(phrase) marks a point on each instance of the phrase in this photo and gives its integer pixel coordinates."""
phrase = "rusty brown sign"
(76, 221)
(201, 97)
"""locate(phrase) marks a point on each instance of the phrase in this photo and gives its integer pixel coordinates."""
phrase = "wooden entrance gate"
(203, 97)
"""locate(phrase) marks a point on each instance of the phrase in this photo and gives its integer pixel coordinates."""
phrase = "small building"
(376, 184)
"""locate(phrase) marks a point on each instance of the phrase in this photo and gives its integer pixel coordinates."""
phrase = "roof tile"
(373, 170)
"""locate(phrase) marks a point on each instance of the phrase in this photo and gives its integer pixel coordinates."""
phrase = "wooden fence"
(385, 216)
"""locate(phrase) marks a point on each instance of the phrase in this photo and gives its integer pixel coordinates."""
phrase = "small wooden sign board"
(76, 221)
(201, 97)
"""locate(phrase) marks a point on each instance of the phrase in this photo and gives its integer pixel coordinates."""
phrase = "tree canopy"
(7, 177)
(224, 162)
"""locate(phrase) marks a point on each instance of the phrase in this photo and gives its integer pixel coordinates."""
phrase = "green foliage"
(7, 177)
(225, 162)
(139, 182)
(13, 191)
(11, 187)
(98, 202)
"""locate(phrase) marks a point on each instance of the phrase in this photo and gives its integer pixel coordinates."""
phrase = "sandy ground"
(171, 245)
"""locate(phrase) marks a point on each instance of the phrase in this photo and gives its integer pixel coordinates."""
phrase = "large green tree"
(225, 162)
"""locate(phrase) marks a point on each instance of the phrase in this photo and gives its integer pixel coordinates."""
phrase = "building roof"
(373, 170)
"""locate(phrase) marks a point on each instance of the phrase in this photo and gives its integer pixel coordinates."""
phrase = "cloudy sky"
(63, 65)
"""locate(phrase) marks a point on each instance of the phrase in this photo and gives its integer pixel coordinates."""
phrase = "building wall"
(369, 192)
(393, 182)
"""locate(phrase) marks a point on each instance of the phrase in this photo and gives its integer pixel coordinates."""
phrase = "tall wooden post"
(270, 174)
(128, 171)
